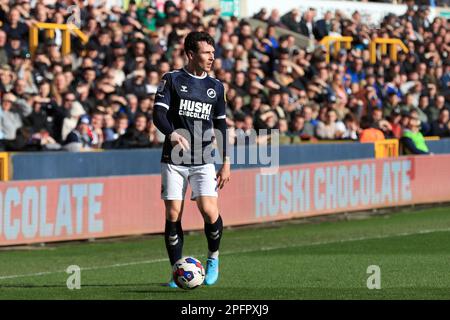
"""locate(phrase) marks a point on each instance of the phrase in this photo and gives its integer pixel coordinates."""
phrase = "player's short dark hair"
(193, 38)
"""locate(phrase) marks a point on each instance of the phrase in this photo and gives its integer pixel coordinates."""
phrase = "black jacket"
(133, 139)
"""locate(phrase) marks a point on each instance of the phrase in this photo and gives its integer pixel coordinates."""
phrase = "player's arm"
(219, 122)
(160, 109)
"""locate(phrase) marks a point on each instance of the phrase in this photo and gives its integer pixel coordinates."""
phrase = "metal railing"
(50, 30)
(386, 148)
(4, 166)
(384, 42)
(327, 40)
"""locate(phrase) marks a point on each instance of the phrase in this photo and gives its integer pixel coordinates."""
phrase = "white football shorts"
(175, 179)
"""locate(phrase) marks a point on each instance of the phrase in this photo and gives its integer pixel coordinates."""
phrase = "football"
(188, 273)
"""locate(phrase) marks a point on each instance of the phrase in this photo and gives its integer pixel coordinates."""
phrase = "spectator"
(97, 129)
(6, 78)
(392, 103)
(266, 76)
(228, 60)
(275, 104)
(441, 127)
(108, 128)
(395, 123)
(356, 72)
(291, 20)
(351, 128)
(13, 26)
(368, 132)
(434, 111)
(120, 126)
(253, 106)
(310, 123)
(307, 24)
(331, 128)
(300, 129)
(3, 51)
(13, 112)
(323, 26)
(283, 128)
(61, 113)
(412, 139)
(80, 139)
(40, 118)
(136, 84)
(265, 118)
(70, 122)
(136, 136)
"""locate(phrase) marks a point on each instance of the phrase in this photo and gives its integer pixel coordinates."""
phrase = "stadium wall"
(83, 208)
(439, 146)
(57, 165)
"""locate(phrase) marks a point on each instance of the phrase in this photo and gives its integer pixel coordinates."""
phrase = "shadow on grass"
(156, 290)
(116, 285)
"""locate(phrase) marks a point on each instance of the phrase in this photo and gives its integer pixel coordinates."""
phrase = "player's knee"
(210, 213)
(173, 214)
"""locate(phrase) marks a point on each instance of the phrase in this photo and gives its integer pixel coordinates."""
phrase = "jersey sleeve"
(163, 92)
(220, 109)
(219, 122)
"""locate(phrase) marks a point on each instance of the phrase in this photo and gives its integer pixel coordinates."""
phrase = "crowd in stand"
(102, 94)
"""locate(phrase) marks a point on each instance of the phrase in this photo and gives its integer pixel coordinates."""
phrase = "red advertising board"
(69, 209)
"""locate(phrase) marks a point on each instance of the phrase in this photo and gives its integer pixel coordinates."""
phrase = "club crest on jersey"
(184, 89)
(211, 93)
(161, 86)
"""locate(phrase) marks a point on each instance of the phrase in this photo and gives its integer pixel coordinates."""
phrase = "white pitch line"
(118, 265)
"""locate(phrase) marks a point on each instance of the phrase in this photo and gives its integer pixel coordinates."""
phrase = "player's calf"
(173, 236)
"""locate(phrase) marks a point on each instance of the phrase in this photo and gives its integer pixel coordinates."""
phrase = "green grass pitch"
(288, 260)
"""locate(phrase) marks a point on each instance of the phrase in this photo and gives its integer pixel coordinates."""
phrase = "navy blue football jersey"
(193, 103)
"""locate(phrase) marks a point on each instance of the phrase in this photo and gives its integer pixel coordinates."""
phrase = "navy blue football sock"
(213, 232)
(180, 233)
(174, 241)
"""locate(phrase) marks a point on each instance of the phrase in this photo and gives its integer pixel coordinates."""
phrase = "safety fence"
(50, 28)
(388, 148)
(58, 165)
(376, 46)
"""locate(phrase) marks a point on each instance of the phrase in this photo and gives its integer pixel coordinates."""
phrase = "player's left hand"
(224, 175)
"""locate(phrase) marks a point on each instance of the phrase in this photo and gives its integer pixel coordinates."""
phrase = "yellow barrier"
(4, 166)
(432, 138)
(386, 148)
(384, 42)
(50, 30)
(326, 41)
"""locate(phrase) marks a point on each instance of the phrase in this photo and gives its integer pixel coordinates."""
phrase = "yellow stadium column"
(327, 55)
(65, 42)
(50, 33)
(393, 52)
(348, 43)
(337, 47)
(4, 166)
(33, 39)
(373, 51)
(383, 48)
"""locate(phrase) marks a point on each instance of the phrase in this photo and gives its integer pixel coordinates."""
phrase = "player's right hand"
(176, 138)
